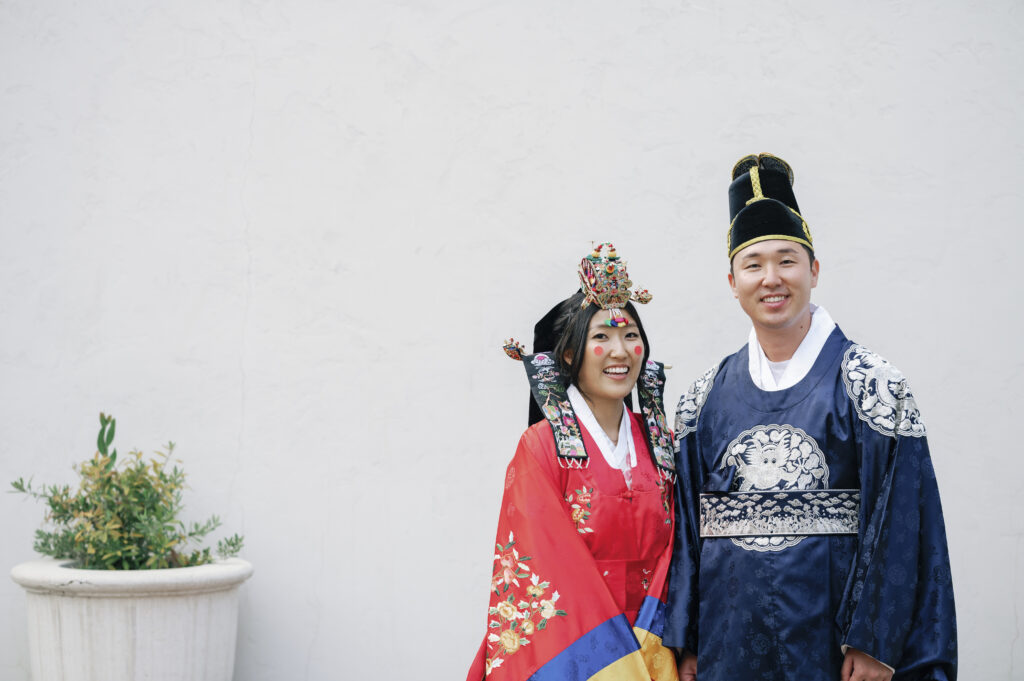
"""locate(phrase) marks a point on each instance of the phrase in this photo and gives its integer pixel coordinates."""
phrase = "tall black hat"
(762, 205)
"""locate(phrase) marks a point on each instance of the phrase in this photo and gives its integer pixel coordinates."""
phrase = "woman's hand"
(858, 666)
(688, 667)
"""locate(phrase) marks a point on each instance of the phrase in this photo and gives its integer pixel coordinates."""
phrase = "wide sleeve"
(550, 614)
(898, 602)
(683, 594)
(681, 608)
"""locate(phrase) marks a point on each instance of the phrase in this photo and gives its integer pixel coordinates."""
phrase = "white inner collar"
(620, 456)
(799, 365)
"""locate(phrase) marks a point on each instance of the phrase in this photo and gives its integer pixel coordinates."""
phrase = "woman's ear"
(567, 357)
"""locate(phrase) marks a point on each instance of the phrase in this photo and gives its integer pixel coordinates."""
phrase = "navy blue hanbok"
(808, 522)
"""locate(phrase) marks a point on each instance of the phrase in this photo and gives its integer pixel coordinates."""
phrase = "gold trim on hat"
(755, 183)
(809, 242)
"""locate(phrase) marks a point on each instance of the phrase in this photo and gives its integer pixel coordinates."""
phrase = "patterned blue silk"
(782, 607)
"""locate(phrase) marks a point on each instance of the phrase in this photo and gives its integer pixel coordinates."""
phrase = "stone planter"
(132, 625)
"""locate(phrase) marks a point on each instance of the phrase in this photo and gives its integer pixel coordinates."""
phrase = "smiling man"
(809, 542)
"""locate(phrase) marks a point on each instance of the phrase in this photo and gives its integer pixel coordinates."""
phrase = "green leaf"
(101, 445)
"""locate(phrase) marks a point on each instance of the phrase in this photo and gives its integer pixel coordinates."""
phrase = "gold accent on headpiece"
(605, 282)
(755, 183)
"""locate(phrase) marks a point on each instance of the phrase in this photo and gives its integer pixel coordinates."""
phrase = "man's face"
(773, 281)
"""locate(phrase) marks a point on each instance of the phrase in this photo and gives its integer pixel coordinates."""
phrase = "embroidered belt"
(777, 512)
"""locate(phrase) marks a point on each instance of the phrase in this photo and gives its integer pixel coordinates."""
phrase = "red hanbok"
(580, 567)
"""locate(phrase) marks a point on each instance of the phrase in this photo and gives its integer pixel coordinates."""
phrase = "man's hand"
(688, 667)
(858, 666)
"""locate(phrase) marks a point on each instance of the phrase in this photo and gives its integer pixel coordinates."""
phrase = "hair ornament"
(605, 283)
(514, 349)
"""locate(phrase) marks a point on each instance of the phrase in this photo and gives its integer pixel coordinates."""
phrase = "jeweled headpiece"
(605, 283)
(762, 205)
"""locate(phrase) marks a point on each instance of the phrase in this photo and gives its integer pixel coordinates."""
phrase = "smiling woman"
(583, 542)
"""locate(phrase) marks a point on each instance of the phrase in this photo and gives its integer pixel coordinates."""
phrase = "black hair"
(573, 330)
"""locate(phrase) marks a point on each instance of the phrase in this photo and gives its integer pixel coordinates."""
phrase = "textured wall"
(291, 236)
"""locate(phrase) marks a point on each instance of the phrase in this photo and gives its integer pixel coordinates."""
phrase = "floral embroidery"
(579, 502)
(880, 394)
(517, 616)
(666, 498)
(550, 394)
(691, 403)
(650, 389)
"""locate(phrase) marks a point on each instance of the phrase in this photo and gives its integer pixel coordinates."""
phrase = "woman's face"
(612, 359)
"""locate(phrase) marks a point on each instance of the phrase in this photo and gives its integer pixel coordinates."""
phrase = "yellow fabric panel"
(660, 661)
(628, 668)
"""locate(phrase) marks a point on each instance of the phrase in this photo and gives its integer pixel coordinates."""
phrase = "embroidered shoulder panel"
(550, 394)
(650, 389)
(691, 403)
(522, 605)
(880, 394)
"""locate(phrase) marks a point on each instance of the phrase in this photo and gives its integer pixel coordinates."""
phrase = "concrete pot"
(132, 625)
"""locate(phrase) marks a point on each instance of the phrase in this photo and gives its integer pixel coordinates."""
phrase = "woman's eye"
(599, 336)
(632, 335)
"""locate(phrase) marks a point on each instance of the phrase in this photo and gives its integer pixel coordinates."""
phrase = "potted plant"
(127, 594)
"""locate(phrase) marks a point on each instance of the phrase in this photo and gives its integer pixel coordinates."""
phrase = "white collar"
(620, 456)
(802, 360)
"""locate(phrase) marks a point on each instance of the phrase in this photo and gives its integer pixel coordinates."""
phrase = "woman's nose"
(617, 347)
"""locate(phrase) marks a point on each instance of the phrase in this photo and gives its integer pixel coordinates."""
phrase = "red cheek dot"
(638, 350)
(598, 351)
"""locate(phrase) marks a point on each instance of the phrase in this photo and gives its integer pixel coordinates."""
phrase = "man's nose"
(771, 276)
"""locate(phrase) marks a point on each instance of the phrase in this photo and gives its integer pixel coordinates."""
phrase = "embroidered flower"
(579, 501)
(506, 610)
(510, 641)
(519, 606)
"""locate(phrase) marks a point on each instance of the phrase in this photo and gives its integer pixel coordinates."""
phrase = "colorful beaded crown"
(605, 283)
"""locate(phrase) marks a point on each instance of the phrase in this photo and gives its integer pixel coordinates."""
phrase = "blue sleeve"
(683, 595)
(898, 603)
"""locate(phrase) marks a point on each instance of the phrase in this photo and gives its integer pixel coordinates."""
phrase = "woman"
(585, 531)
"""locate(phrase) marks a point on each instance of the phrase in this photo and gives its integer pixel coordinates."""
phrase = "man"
(809, 542)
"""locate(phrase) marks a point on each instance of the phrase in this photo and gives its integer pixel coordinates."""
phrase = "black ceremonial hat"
(762, 205)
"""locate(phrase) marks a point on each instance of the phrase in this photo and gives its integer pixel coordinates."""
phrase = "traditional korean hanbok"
(583, 548)
(808, 522)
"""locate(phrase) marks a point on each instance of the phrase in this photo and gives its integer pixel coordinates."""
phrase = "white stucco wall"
(291, 236)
